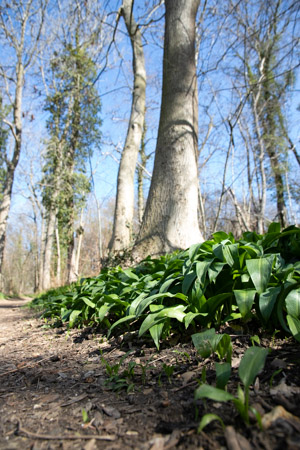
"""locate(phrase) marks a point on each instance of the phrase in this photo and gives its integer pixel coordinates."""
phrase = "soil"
(63, 389)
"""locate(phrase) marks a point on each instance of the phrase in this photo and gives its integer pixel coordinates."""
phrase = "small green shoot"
(255, 340)
(169, 370)
(251, 364)
(117, 381)
(85, 416)
(278, 371)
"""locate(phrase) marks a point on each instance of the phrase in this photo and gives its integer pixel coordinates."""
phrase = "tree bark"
(79, 234)
(170, 220)
(124, 209)
(140, 176)
(46, 280)
(22, 41)
(16, 129)
(58, 263)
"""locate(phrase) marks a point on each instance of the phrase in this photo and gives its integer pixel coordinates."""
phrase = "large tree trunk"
(170, 220)
(124, 209)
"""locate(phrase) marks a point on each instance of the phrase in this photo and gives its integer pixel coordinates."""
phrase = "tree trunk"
(16, 129)
(58, 263)
(140, 176)
(170, 220)
(42, 253)
(72, 275)
(79, 233)
(46, 281)
(124, 209)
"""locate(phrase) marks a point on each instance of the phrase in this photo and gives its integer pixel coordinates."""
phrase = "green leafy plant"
(209, 342)
(117, 380)
(251, 364)
(218, 281)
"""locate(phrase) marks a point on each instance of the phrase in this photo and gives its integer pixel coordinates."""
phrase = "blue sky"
(115, 90)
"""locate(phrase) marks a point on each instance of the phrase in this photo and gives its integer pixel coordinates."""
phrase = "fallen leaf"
(187, 376)
(285, 390)
(280, 413)
(236, 441)
(111, 411)
(91, 445)
(278, 363)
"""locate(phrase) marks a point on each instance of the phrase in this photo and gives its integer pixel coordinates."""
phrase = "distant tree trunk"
(70, 234)
(124, 209)
(72, 275)
(49, 236)
(58, 262)
(42, 253)
(79, 234)
(171, 218)
(20, 28)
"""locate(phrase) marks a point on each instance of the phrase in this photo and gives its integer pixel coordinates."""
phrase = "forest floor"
(55, 392)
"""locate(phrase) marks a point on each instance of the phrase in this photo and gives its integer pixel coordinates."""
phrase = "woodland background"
(68, 79)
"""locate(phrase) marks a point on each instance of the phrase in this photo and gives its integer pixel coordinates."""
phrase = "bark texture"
(124, 209)
(170, 220)
(49, 237)
(16, 129)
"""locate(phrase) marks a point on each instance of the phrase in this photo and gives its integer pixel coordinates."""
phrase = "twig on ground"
(104, 437)
(26, 366)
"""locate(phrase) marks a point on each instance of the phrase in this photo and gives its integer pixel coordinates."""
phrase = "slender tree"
(21, 24)
(171, 216)
(74, 128)
(124, 209)
(265, 49)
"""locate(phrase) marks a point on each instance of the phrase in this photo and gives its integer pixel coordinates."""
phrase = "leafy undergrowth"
(251, 285)
(253, 279)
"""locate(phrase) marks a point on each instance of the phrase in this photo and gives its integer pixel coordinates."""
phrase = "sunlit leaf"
(267, 301)
(220, 236)
(251, 364)
(88, 302)
(260, 272)
(244, 299)
(190, 316)
(228, 253)
(294, 325)
(213, 393)
(292, 303)
(155, 332)
(148, 300)
(73, 316)
(102, 311)
(174, 312)
(207, 419)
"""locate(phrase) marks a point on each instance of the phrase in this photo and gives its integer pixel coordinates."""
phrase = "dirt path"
(54, 392)
(49, 377)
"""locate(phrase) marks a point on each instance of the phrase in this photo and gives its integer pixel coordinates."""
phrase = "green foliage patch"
(222, 279)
